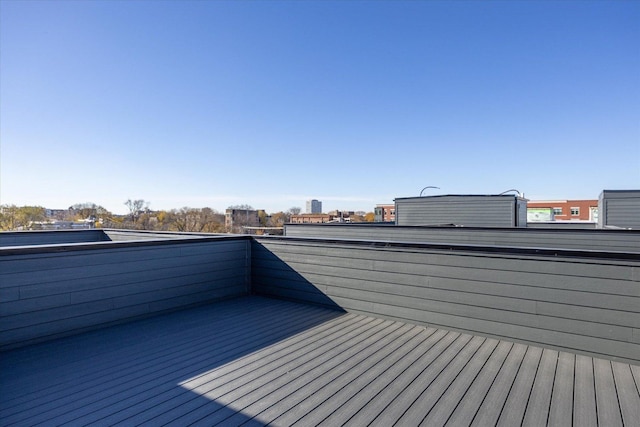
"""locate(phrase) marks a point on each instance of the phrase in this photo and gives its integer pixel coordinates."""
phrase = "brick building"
(384, 213)
(569, 210)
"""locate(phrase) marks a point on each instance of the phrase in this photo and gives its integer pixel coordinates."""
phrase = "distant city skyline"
(270, 104)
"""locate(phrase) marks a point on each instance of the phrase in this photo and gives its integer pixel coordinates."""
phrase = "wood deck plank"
(391, 391)
(412, 392)
(426, 400)
(561, 410)
(256, 360)
(497, 395)
(334, 377)
(537, 411)
(606, 394)
(444, 407)
(298, 373)
(108, 398)
(629, 402)
(86, 394)
(352, 402)
(470, 403)
(130, 365)
(516, 404)
(176, 400)
(584, 402)
(324, 396)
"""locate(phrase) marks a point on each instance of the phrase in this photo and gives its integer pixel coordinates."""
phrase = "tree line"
(139, 217)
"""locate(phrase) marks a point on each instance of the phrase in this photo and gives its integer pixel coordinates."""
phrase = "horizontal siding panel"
(184, 301)
(452, 289)
(30, 319)
(295, 295)
(80, 270)
(616, 350)
(81, 289)
(104, 315)
(114, 255)
(117, 279)
(505, 289)
(29, 238)
(579, 267)
(604, 240)
(569, 311)
(21, 337)
(477, 212)
(514, 317)
(428, 267)
(588, 305)
(9, 294)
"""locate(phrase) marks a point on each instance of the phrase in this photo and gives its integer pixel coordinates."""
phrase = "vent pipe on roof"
(508, 191)
(428, 186)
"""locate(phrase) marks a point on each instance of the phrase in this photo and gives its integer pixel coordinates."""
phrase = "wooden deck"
(259, 361)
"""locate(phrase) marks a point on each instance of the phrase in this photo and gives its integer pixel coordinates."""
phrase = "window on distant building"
(557, 211)
(575, 211)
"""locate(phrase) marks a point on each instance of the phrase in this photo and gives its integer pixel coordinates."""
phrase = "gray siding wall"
(578, 303)
(471, 211)
(619, 209)
(598, 240)
(47, 293)
(28, 238)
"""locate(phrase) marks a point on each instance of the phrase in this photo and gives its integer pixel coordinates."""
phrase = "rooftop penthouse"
(449, 327)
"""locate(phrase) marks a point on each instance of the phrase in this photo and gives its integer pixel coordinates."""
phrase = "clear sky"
(354, 103)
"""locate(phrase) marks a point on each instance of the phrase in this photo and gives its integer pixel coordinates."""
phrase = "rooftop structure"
(500, 210)
(101, 327)
(619, 208)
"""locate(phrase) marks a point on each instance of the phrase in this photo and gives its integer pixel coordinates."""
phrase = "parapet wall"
(31, 238)
(581, 301)
(48, 292)
(584, 302)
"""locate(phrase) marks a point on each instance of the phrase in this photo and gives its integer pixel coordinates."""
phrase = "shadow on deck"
(261, 361)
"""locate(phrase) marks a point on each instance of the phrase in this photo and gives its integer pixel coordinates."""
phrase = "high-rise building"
(314, 206)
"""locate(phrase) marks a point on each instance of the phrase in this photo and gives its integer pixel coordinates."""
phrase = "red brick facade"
(385, 213)
(569, 210)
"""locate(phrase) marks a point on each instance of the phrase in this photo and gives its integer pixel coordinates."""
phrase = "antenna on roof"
(428, 186)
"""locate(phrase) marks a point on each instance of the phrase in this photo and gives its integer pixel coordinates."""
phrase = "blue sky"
(271, 103)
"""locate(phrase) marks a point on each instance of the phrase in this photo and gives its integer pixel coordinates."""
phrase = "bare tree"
(294, 210)
(205, 220)
(89, 210)
(278, 219)
(15, 218)
(242, 207)
(136, 207)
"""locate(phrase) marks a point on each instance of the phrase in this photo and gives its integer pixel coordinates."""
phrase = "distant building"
(310, 218)
(314, 206)
(384, 213)
(568, 210)
(539, 215)
(333, 216)
(235, 219)
(56, 213)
